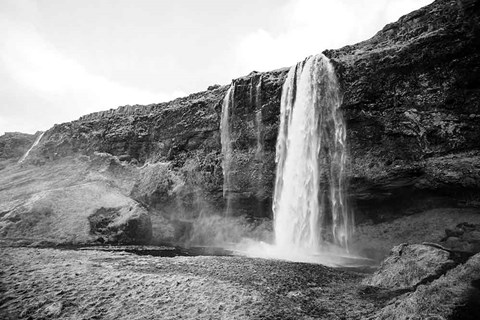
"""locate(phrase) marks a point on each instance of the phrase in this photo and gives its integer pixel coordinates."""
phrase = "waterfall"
(260, 190)
(310, 208)
(256, 98)
(226, 141)
(37, 140)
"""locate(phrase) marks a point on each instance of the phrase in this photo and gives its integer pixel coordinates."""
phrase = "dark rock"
(213, 87)
(454, 233)
(472, 235)
(120, 228)
(101, 219)
(454, 243)
(465, 237)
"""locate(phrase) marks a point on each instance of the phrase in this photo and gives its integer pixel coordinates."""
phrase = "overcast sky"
(60, 59)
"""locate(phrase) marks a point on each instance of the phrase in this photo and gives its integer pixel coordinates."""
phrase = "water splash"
(37, 140)
(310, 208)
(227, 148)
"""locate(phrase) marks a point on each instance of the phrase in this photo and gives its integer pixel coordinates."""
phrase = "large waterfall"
(310, 208)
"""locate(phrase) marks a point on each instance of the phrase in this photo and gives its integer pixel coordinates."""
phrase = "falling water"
(257, 102)
(309, 203)
(37, 140)
(260, 190)
(226, 142)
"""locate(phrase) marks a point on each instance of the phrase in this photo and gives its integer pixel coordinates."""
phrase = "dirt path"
(78, 284)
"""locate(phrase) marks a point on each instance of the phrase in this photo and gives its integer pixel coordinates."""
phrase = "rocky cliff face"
(411, 101)
(184, 135)
(411, 96)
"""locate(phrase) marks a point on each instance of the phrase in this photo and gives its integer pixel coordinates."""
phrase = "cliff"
(185, 133)
(411, 101)
(411, 96)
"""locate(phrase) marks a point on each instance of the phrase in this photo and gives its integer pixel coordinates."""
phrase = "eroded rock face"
(408, 266)
(411, 102)
(254, 128)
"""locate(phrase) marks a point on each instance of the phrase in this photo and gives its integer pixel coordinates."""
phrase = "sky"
(61, 59)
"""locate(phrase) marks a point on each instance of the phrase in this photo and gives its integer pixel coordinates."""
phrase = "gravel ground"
(90, 284)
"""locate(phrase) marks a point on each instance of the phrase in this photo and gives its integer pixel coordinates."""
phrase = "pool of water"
(164, 251)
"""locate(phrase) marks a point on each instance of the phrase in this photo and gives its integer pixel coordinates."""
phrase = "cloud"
(54, 87)
(311, 26)
(41, 85)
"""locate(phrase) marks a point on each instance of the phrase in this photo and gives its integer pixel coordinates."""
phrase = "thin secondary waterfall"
(309, 205)
(37, 140)
(257, 102)
(226, 141)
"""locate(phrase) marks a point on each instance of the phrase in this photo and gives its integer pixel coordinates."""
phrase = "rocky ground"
(47, 283)
(68, 284)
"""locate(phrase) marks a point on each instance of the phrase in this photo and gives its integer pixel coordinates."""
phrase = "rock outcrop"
(72, 201)
(454, 295)
(425, 281)
(410, 100)
(408, 266)
(122, 224)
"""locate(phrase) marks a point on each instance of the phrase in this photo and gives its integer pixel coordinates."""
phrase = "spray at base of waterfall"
(329, 255)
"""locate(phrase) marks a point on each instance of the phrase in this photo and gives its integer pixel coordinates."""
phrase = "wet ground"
(173, 283)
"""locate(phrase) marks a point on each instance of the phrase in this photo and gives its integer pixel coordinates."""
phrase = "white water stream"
(37, 140)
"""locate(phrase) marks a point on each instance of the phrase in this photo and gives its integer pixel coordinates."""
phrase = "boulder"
(410, 265)
(464, 237)
(121, 225)
(72, 201)
(78, 215)
(455, 295)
